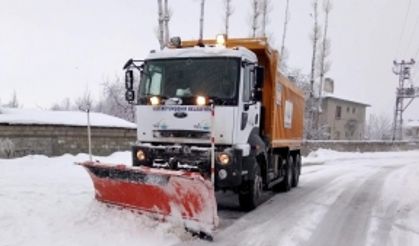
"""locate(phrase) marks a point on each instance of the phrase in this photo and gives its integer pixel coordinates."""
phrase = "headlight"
(224, 158)
(201, 101)
(140, 155)
(154, 100)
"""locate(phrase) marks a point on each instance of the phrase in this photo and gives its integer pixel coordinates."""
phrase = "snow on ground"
(49, 201)
(343, 199)
(68, 118)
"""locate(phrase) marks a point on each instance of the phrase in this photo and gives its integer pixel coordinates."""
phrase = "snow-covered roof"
(206, 51)
(19, 116)
(412, 123)
(339, 97)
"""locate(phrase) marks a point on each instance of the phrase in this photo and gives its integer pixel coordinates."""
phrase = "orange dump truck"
(211, 115)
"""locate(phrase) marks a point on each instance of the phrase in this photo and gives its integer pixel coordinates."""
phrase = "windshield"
(216, 78)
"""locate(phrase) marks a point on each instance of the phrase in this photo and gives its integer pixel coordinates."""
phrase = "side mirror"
(129, 80)
(260, 76)
(130, 96)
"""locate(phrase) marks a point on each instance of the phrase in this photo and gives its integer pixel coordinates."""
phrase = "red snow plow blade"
(157, 192)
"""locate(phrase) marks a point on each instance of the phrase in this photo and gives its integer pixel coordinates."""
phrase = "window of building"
(409, 133)
(338, 115)
(347, 109)
(337, 135)
(353, 110)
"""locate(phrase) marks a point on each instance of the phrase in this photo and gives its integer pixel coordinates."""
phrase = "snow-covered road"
(343, 199)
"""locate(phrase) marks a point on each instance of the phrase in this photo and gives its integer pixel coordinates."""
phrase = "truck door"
(249, 109)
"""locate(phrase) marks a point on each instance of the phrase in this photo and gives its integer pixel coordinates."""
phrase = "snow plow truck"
(212, 115)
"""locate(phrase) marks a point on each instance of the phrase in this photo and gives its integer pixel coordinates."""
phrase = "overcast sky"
(52, 49)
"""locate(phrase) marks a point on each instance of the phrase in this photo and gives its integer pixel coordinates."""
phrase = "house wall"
(412, 132)
(21, 140)
(351, 123)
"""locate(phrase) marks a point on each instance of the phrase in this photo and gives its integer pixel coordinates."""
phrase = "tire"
(251, 192)
(296, 171)
(286, 184)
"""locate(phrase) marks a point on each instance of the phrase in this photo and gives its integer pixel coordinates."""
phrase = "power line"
(412, 35)
(404, 26)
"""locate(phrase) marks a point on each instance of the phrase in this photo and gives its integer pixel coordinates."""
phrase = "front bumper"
(193, 158)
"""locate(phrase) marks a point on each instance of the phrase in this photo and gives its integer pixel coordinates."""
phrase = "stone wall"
(359, 146)
(21, 140)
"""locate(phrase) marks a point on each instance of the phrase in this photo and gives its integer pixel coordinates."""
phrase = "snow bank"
(323, 156)
(50, 201)
(68, 118)
(412, 123)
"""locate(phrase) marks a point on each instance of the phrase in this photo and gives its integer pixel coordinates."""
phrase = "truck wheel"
(285, 185)
(251, 191)
(296, 171)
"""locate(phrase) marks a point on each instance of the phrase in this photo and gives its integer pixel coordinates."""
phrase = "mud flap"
(162, 194)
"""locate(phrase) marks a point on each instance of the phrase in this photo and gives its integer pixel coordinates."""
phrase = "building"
(343, 119)
(412, 130)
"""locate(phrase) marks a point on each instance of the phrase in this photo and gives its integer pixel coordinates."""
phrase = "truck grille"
(181, 134)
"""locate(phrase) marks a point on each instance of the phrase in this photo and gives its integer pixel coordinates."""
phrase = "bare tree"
(201, 21)
(302, 81)
(265, 8)
(14, 102)
(311, 102)
(114, 103)
(324, 52)
(160, 32)
(164, 16)
(167, 17)
(84, 102)
(65, 105)
(315, 36)
(228, 12)
(378, 127)
(255, 17)
(325, 49)
(284, 34)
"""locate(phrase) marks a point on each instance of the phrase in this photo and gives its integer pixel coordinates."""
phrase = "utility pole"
(404, 91)
(89, 132)
(284, 31)
(201, 22)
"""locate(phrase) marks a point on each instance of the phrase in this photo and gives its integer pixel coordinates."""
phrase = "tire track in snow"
(387, 217)
(348, 220)
(279, 213)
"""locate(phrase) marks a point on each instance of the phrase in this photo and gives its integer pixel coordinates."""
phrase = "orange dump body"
(283, 102)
